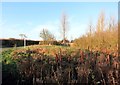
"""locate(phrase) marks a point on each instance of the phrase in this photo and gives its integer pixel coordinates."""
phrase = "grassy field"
(7, 48)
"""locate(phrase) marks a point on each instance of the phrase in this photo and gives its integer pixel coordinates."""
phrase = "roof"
(15, 39)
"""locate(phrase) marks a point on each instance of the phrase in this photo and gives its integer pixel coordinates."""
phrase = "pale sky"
(31, 17)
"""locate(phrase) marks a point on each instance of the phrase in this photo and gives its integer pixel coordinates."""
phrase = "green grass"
(8, 48)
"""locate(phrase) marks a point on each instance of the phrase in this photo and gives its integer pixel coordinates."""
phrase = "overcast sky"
(31, 17)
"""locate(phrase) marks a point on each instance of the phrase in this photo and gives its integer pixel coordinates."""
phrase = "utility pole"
(23, 36)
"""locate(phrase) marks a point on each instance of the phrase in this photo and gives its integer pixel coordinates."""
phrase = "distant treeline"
(16, 42)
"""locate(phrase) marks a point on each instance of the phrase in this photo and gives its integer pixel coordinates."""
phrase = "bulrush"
(69, 58)
(60, 56)
(81, 56)
(56, 57)
(59, 65)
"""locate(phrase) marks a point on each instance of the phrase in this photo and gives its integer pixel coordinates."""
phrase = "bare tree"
(90, 28)
(111, 23)
(100, 29)
(89, 34)
(64, 26)
(46, 35)
(101, 22)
